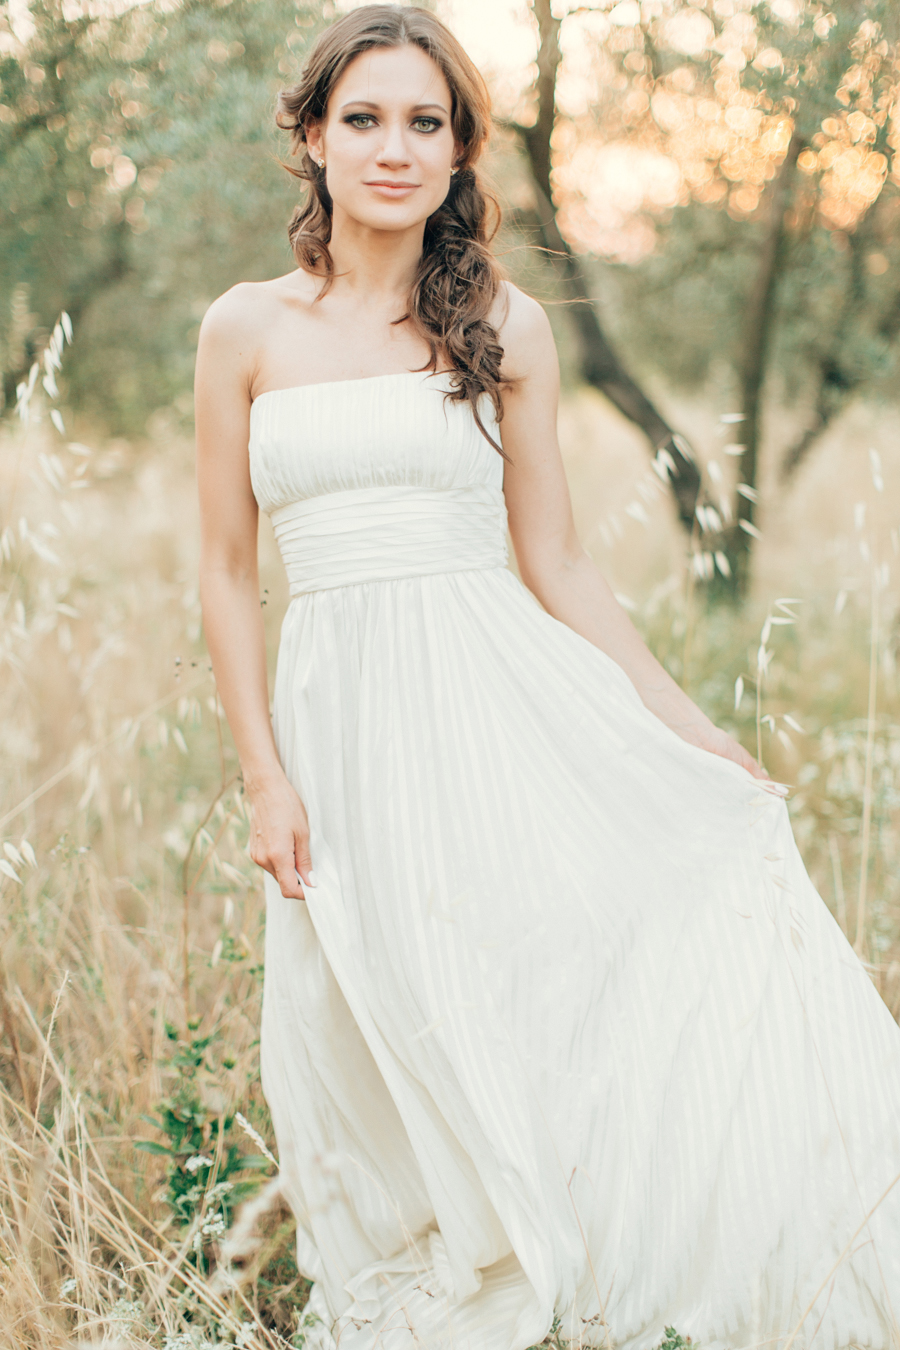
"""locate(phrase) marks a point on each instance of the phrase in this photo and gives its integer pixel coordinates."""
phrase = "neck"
(377, 266)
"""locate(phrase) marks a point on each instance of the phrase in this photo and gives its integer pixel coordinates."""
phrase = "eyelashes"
(427, 125)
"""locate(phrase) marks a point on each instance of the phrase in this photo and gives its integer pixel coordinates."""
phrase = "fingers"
(756, 768)
(288, 880)
(303, 862)
(281, 867)
(759, 772)
(293, 871)
(746, 761)
(280, 839)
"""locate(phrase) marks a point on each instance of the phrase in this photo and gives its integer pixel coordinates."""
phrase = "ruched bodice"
(563, 1031)
(384, 431)
(385, 479)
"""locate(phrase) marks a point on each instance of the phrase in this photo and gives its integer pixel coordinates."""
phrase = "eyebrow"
(419, 107)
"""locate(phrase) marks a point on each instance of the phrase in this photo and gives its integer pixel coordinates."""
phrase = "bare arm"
(552, 562)
(229, 591)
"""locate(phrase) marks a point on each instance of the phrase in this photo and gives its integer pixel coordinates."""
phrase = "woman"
(562, 1030)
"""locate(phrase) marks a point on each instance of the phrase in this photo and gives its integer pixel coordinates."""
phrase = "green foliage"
(203, 1153)
(831, 310)
(138, 180)
(673, 1341)
(831, 318)
(554, 1340)
(678, 312)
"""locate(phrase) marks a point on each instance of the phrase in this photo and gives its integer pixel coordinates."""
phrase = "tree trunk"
(757, 328)
(600, 365)
(838, 381)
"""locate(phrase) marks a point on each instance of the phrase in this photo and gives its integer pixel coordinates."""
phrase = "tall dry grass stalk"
(128, 903)
(879, 576)
(130, 908)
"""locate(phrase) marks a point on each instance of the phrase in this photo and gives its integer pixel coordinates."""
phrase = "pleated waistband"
(384, 533)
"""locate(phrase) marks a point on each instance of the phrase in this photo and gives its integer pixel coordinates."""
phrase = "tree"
(600, 365)
(778, 121)
(138, 178)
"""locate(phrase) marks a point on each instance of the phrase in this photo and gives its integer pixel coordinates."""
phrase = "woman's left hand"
(718, 742)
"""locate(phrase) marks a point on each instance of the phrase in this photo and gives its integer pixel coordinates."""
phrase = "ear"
(314, 140)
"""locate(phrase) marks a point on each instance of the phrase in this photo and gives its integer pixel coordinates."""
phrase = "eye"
(361, 120)
(426, 124)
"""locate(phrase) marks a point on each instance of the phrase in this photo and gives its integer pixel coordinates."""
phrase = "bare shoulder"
(251, 305)
(229, 331)
(241, 311)
(523, 328)
(238, 326)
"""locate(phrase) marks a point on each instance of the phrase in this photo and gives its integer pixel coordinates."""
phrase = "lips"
(392, 191)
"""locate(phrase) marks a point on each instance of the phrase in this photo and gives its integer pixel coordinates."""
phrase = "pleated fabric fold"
(564, 1031)
(381, 534)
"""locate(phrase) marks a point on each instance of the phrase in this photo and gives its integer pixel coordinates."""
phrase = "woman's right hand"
(279, 836)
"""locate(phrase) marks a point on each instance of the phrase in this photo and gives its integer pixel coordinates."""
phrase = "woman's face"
(387, 140)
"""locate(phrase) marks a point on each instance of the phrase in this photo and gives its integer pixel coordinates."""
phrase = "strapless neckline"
(361, 379)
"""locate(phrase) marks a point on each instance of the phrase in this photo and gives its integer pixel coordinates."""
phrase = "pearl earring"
(454, 169)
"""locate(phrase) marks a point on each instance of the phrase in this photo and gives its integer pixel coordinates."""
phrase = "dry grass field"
(131, 920)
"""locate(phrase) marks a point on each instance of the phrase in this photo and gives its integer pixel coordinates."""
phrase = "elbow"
(228, 570)
(546, 573)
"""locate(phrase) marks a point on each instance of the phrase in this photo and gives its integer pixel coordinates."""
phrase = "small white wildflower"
(214, 1226)
(193, 1340)
(125, 1310)
(199, 1160)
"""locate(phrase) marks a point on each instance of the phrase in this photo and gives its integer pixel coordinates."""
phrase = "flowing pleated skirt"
(564, 1036)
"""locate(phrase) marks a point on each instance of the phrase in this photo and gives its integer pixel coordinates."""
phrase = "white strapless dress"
(564, 1030)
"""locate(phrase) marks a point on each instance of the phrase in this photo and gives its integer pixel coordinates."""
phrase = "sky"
(499, 35)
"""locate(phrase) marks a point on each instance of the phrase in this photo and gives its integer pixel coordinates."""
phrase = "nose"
(394, 150)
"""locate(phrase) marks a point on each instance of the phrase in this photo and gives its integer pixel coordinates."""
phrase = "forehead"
(391, 76)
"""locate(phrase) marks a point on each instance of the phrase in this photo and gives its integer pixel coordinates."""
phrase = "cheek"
(346, 150)
(437, 155)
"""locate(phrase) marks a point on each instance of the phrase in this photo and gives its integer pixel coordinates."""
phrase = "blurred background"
(706, 198)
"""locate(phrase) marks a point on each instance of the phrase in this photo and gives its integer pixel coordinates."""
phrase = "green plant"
(673, 1341)
(204, 1157)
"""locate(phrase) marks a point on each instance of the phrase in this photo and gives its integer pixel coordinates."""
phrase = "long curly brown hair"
(458, 278)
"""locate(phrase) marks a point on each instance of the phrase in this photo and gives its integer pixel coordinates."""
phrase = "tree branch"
(836, 383)
(600, 365)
